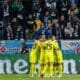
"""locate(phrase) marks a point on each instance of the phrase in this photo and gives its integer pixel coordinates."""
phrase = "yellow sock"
(51, 68)
(60, 69)
(32, 68)
(45, 69)
(48, 70)
(40, 69)
(54, 70)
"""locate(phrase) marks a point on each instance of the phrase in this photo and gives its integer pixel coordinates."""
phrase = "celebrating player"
(33, 57)
(58, 59)
(49, 60)
(42, 54)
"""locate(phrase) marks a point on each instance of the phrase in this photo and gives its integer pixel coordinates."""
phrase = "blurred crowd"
(28, 19)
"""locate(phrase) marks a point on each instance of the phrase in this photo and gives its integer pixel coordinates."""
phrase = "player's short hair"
(41, 36)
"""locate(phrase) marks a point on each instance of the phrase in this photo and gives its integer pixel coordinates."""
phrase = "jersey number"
(48, 46)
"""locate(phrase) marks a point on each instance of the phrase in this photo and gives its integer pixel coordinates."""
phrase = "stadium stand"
(24, 19)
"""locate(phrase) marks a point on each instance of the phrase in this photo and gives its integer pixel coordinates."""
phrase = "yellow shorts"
(49, 57)
(32, 57)
(58, 57)
(42, 58)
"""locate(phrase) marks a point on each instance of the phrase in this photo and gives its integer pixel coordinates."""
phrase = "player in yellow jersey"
(58, 59)
(33, 57)
(49, 60)
(42, 54)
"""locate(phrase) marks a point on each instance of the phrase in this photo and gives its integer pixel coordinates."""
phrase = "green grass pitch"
(26, 77)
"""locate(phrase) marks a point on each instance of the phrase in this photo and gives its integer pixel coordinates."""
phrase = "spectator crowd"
(28, 19)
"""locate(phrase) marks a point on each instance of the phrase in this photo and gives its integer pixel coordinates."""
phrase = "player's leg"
(32, 68)
(60, 69)
(51, 69)
(54, 65)
(32, 63)
(45, 69)
(45, 66)
(59, 60)
(41, 63)
(41, 66)
(51, 62)
(47, 72)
